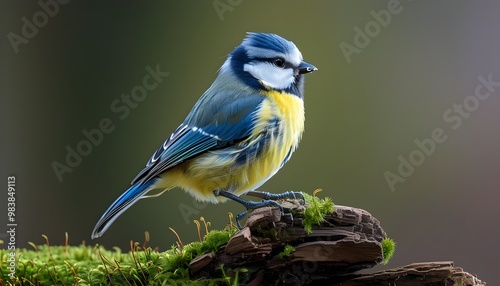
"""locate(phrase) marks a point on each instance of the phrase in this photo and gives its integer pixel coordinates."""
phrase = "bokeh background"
(361, 115)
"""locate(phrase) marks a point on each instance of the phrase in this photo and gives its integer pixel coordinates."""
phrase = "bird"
(239, 133)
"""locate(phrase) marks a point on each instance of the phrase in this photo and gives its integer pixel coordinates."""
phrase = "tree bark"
(347, 241)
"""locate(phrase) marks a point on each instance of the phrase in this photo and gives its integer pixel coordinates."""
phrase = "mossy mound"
(95, 265)
(142, 265)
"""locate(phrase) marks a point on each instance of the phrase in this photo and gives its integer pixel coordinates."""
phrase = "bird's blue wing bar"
(190, 140)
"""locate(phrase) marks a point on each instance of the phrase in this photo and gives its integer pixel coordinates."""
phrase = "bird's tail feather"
(126, 200)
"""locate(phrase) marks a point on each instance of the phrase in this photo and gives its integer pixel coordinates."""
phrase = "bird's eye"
(279, 62)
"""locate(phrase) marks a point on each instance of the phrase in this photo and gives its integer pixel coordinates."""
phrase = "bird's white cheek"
(271, 75)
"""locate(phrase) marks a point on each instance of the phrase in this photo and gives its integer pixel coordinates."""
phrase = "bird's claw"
(268, 199)
(282, 196)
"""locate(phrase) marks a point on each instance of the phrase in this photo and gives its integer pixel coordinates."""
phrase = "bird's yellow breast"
(220, 170)
(290, 109)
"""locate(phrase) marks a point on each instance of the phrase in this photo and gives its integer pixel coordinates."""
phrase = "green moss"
(95, 265)
(388, 248)
(287, 251)
(265, 233)
(316, 210)
(215, 239)
(59, 265)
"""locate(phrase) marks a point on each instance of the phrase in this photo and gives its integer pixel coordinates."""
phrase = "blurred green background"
(361, 115)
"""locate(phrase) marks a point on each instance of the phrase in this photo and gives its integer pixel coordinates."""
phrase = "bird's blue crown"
(270, 42)
(266, 48)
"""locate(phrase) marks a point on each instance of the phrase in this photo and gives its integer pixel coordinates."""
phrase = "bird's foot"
(268, 199)
(282, 196)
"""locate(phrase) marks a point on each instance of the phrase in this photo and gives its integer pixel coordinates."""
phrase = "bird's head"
(269, 62)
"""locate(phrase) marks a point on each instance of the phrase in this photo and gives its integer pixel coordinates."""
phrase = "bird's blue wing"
(211, 125)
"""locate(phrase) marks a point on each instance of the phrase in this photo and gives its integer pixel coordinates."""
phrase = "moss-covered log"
(274, 250)
(319, 246)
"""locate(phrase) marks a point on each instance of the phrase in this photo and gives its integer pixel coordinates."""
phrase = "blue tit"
(241, 131)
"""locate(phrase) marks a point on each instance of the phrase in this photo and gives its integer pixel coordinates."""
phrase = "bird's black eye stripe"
(282, 63)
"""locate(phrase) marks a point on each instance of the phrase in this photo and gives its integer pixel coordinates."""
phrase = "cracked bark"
(347, 241)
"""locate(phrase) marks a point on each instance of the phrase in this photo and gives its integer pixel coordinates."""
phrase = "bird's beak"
(306, 68)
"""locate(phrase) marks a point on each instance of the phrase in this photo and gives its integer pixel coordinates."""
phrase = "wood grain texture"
(347, 241)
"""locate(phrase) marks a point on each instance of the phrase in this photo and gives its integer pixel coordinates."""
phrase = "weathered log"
(416, 274)
(348, 240)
